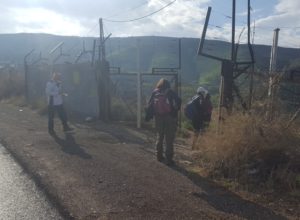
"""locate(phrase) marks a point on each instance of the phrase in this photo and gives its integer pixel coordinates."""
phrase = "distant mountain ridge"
(123, 52)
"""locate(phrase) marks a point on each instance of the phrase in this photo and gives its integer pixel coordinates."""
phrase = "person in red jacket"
(164, 105)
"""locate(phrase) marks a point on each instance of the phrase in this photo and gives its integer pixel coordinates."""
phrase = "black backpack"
(199, 108)
(190, 109)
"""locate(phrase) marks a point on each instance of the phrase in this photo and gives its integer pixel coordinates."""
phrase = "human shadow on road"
(224, 200)
(69, 146)
(119, 132)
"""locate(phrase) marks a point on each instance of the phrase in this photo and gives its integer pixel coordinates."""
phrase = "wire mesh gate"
(125, 93)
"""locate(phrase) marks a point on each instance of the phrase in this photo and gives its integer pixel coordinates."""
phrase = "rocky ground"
(109, 171)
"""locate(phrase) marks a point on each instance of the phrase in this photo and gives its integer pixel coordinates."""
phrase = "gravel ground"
(107, 171)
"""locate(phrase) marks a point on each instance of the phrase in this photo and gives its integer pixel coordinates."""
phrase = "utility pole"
(103, 78)
(233, 55)
(102, 55)
(93, 52)
(228, 81)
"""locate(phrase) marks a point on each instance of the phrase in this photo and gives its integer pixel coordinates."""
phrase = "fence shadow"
(223, 200)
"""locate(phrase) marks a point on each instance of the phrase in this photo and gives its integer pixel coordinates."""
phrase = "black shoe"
(160, 159)
(68, 129)
(170, 163)
(51, 132)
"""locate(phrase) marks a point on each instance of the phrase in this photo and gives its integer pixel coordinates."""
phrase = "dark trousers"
(61, 114)
(199, 126)
(166, 127)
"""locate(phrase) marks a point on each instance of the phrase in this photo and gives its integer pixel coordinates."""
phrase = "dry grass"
(253, 150)
(12, 91)
(40, 106)
(11, 85)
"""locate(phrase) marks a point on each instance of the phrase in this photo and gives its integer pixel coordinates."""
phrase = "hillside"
(122, 52)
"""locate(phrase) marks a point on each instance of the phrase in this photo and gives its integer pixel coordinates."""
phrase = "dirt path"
(110, 172)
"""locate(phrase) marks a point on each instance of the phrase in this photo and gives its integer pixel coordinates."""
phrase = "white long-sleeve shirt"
(54, 89)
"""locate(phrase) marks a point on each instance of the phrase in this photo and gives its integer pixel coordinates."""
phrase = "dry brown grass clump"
(252, 149)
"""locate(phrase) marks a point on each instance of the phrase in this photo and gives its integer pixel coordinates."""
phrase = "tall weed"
(251, 148)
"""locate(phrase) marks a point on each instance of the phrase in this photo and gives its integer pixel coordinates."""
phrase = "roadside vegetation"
(11, 83)
(12, 90)
(251, 150)
(254, 152)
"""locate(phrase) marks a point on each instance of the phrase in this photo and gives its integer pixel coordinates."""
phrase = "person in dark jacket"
(202, 117)
(164, 104)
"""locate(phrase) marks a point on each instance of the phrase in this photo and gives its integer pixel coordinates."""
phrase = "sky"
(183, 18)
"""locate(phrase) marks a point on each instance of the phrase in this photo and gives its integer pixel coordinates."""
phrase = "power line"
(76, 44)
(130, 9)
(109, 44)
(217, 26)
(221, 13)
(282, 27)
(145, 16)
(91, 30)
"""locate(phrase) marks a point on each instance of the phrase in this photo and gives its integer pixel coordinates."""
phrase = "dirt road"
(107, 171)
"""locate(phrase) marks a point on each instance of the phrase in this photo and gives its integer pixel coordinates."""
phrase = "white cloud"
(184, 18)
(286, 18)
(245, 13)
(43, 21)
(288, 6)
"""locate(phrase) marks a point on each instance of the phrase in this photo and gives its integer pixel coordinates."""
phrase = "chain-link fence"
(78, 82)
(125, 93)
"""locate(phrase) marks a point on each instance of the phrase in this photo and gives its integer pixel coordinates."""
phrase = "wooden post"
(221, 101)
(139, 100)
(225, 91)
(273, 59)
(272, 70)
(251, 86)
(228, 84)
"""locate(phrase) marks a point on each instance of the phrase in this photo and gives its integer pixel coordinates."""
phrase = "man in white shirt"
(55, 103)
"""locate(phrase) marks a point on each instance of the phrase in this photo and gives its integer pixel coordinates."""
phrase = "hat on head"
(202, 91)
(56, 76)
